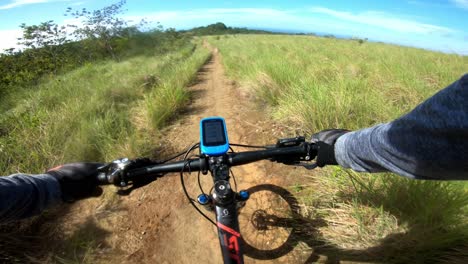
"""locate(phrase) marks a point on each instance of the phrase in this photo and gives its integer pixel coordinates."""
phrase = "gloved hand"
(325, 142)
(77, 180)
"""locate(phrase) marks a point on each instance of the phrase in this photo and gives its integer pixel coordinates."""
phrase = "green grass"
(316, 83)
(94, 113)
(98, 112)
(305, 78)
(171, 94)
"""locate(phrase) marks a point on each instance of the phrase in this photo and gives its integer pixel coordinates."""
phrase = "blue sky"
(437, 24)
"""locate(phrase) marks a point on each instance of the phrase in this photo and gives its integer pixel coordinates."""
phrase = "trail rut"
(156, 224)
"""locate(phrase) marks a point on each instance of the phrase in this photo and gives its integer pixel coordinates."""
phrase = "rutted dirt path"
(183, 236)
(158, 225)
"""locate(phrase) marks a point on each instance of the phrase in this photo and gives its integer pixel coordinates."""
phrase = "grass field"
(316, 83)
(107, 110)
(95, 113)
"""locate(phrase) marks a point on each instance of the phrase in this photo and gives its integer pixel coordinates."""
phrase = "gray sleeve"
(430, 142)
(23, 196)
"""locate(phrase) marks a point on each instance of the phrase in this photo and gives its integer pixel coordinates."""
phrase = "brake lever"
(289, 142)
(312, 153)
(115, 172)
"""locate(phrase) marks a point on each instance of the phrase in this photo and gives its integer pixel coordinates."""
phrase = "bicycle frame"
(228, 232)
(224, 200)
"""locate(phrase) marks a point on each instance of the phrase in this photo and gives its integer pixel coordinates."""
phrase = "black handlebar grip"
(102, 178)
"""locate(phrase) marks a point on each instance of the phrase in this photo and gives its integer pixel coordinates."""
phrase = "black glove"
(325, 142)
(77, 180)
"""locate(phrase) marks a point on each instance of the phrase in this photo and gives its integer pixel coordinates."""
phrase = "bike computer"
(213, 136)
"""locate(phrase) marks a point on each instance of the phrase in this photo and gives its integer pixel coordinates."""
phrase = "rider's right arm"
(23, 195)
(430, 142)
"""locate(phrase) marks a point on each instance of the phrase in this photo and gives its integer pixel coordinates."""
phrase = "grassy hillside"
(304, 78)
(317, 83)
(97, 112)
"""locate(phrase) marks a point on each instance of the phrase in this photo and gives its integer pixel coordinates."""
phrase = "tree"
(46, 34)
(47, 40)
(101, 26)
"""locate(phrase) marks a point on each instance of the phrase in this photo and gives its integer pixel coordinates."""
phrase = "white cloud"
(249, 11)
(218, 13)
(79, 3)
(299, 19)
(461, 3)
(9, 38)
(18, 3)
(244, 17)
(377, 26)
(385, 21)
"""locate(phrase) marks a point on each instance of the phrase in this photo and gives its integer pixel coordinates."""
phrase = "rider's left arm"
(24, 195)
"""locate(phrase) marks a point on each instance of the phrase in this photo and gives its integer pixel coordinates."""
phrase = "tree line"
(50, 48)
(221, 29)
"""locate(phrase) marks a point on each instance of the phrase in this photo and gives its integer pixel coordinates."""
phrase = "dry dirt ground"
(156, 224)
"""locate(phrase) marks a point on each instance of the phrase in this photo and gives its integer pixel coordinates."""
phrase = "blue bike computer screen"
(213, 136)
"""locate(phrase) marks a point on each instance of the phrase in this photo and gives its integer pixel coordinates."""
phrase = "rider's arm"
(23, 196)
(430, 142)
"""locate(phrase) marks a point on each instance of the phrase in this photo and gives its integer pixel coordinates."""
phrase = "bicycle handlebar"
(282, 153)
(224, 201)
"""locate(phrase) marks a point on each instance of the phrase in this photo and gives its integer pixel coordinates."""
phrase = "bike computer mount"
(214, 145)
(213, 136)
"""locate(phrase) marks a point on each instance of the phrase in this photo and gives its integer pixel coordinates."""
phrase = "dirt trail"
(157, 224)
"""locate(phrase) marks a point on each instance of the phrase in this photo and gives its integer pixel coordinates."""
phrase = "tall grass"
(98, 112)
(317, 83)
(171, 94)
(88, 114)
(307, 78)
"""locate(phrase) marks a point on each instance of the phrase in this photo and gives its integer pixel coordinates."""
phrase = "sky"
(440, 25)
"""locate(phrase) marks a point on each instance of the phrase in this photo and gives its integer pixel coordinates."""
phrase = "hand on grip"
(77, 180)
(325, 144)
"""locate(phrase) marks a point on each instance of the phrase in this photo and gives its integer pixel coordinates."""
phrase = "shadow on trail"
(87, 238)
(52, 236)
(395, 248)
(192, 109)
(196, 94)
(264, 221)
(203, 71)
(20, 240)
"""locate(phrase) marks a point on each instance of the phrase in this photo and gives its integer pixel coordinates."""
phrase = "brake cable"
(234, 178)
(174, 157)
(199, 183)
(187, 162)
(247, 146)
